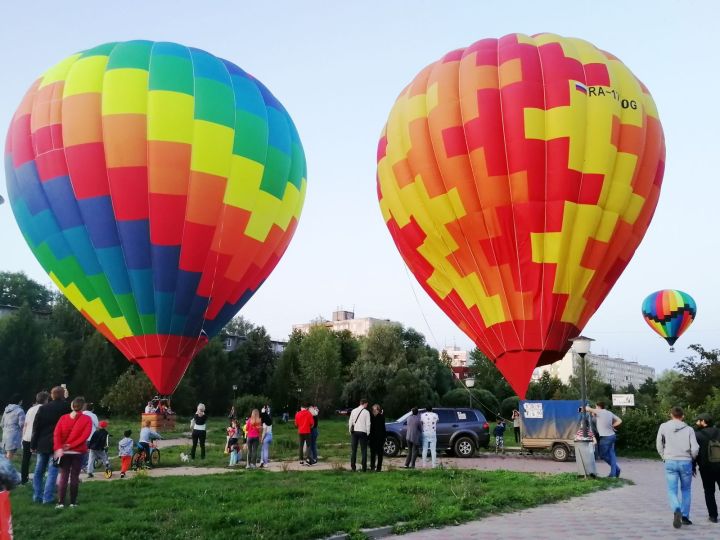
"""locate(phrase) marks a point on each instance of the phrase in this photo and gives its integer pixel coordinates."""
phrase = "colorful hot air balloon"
(669, 313)
(158, 186)
(517, 177)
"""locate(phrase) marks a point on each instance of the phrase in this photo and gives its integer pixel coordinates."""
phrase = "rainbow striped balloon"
(158, 186)
(669, 313)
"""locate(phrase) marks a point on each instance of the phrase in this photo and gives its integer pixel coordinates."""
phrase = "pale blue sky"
(338, 66)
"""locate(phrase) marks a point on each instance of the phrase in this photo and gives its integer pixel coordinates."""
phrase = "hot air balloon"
(669, 313)
(517, 177)
(158, 186)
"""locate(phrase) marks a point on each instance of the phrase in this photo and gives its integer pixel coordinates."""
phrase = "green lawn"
(288, 505)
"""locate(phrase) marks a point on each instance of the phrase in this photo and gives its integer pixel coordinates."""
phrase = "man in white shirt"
(606, 422)
(40, 399)
(428, 421)
(359, 427)
(88, 411)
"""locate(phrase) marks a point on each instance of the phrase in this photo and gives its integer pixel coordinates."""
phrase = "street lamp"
(469, 383)
(234, 393)
(584, 456)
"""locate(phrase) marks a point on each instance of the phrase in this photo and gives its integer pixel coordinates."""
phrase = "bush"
(245, 404)
(639, 430)
(486, 402)
(457, 397)
(129, 395)
(508, 405)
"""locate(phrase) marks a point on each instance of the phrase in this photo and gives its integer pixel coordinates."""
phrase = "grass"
(289, 505)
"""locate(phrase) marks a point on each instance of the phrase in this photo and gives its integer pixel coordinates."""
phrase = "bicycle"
(141, 461)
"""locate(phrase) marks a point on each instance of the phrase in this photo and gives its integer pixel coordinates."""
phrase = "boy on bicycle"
(147, 436)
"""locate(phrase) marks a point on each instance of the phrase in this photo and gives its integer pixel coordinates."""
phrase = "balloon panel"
(158, 185)
(669, 313)
(517, 177)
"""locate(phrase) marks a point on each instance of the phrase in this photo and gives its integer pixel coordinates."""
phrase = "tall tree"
(320, 367)
(253, 362)
(701, 374)
(487, 376)
(97, 369)
(17, 289)
(286, 377)
(20, 355)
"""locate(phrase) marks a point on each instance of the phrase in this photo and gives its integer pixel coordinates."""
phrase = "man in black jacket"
(42, 444)
(709, 470)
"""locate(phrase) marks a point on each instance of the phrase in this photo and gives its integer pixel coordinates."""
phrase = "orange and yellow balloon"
(517, 177)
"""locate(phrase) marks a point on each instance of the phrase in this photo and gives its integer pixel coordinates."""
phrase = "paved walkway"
(635, 511)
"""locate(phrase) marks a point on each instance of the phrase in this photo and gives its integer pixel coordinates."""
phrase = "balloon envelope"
(517, 177)
(669, 313)
(158, 186)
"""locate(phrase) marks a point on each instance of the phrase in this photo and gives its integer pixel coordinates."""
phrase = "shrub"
(245, 404)
(457, 397)
(639, 429)
(508, 405)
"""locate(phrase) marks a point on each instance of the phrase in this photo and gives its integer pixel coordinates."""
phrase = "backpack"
(713, 451)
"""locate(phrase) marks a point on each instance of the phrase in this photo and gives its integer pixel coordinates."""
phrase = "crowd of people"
(251, 437)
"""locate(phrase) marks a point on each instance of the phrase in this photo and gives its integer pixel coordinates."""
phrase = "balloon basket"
(672, 349)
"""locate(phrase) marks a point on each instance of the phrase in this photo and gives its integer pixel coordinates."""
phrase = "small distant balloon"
(669, 313)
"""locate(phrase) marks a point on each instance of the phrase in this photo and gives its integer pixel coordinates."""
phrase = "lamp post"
(234, 393)
(469, 383)
(584, 456)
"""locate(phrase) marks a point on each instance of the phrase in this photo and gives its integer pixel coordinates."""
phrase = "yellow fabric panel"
(212, 148)
(85, 76)
(170, 116)
(59, 71)
(125, 91)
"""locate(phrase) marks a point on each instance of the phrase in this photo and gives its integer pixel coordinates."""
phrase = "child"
(125, 449)
(499, 433)
(232, 436)
(235, 455)
(98, 445)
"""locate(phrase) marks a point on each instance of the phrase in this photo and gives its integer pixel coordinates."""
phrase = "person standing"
(708, 460)
(145, 440)
(413, 438)
(12, 423)
(606, 422)
(266, 437)
(199, 431)
(428, 421)
(377, 437)
(678, 447)
(40, 399)
(314, 432)
(304, 423)
(69, 444)
(516, 425)
(89, 410)
(499, 433)
(253, 428)
(98, 448)
(41, 443)
(125, 450)
(359, 426)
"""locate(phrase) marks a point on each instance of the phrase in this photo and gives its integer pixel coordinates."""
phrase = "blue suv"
(459, 430)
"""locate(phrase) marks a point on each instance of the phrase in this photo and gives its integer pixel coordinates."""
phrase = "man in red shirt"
(304, 423)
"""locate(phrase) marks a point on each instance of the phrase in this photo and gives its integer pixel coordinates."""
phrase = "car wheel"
(560, 452)
(391, 447)
(464, 447)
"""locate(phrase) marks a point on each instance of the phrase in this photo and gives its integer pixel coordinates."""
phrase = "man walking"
(359, 427)
(42, 443)
(304, 423)
(412, 438)
(678, 447)
(428, 421)
(606, 422)
(40, 399)
(708, 460)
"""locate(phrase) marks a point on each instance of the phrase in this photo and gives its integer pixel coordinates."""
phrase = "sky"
(338, 66)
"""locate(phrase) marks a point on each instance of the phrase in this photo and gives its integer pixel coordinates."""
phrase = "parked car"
(459, 430)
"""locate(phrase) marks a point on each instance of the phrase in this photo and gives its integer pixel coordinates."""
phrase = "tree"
(546, 388)
(649, 388)
(487, 376)
(97, 369)
(670, 391)
(701, 375)
(285, 380)
(320, 367)
(211, 375)
(129, 394)
(17, 289)
(408, 391)
(238, 326)
(21, 356)
(252, 363)
(349, 350)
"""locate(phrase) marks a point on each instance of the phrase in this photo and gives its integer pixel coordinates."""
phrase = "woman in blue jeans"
(266, 437)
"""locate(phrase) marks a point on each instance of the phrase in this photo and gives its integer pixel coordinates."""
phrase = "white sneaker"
(73, 506)
(59, 506)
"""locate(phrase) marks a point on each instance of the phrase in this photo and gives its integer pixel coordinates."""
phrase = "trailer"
(550, 425)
